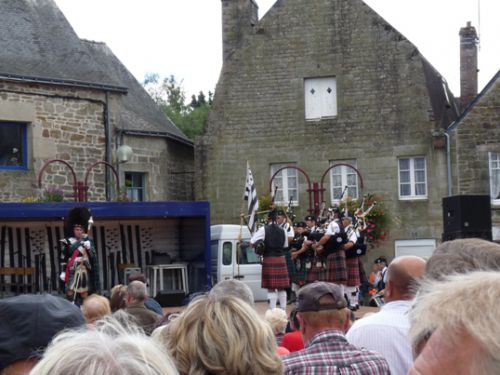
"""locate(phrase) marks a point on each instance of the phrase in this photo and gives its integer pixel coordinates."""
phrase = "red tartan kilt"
(353, 278)
(274, 273)
(315, 273)
(336, 270)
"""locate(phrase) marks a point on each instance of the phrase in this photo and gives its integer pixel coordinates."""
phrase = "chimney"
(468, 64)
(239, 17)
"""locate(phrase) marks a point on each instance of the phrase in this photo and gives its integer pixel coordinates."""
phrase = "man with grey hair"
(462, 256)
(234, 288)
(136, 295)
(451, 332)
(386, 332)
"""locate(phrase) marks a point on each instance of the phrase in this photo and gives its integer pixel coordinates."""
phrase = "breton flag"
(251, 198)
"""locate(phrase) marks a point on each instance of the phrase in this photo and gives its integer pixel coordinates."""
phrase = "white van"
(229, 261)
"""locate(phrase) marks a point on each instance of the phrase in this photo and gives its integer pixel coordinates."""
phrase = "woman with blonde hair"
(223, 336)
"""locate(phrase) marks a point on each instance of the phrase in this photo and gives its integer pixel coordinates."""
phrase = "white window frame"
(421, 248)
(344, 172)
(320, 97)
(494, 166)
(412, 182)
(284, 190)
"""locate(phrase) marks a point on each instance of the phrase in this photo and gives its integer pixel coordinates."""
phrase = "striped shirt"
(329, 353)
(387, 333)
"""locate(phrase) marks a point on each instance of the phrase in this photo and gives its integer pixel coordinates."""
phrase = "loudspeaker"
(467, 216)
(170, 298)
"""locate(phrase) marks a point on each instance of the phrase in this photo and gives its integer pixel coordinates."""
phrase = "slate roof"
(140, 112)
(37, 44)
(493, 81)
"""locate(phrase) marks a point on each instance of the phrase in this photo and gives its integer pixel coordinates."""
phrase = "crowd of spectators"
(438, 318)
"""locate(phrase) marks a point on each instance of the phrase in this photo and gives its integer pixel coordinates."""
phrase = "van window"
(227, 253)
(246, 255)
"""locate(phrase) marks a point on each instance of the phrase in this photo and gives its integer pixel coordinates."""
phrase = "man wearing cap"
(323, 319)
(28, 323)
(274, 270)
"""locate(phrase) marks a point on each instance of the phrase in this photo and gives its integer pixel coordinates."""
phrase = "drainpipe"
(448, 161)
(108, 156)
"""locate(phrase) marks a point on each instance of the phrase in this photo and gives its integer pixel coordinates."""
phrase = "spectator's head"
(454, 327)
(461, 256)
(277, 319)
(118, 299)
(109, 349)
(321, 306)
(27, 325)
(95, 307)
(137, 276)
(381, 263)
(232, 287)
(402, 276)
(136, 292)
(221, 335)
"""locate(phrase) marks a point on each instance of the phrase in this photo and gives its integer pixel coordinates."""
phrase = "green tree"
(171, 98)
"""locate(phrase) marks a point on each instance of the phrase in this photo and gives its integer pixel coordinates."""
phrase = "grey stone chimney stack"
(239, 17)
(468, 64)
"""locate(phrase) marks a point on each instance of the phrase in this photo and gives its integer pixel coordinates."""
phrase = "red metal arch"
(309, 190)
(75, 195)
(337, 165)
(86, 187)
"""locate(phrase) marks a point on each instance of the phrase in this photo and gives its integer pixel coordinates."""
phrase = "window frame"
(344, 179)
(494, 200)
(133, 188)
(284, 178)
(412, 182)
(24, 145)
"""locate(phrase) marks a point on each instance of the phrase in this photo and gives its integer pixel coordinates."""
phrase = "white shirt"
(333, 228)
(387, 333)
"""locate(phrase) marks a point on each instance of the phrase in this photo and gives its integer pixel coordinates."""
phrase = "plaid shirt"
(330, 353)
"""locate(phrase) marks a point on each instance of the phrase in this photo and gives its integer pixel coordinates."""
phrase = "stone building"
(70, 99)
(319, 83)
(475, 150)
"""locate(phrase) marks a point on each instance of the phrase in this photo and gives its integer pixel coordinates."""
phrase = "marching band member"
(352, 264)
(274, 271)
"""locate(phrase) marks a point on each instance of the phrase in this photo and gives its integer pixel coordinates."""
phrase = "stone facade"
(386, 110)
(474, 136)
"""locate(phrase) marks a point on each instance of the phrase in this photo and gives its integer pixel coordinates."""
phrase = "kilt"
(353, 278)
(274, 273)
(317, 272)
(290, 266)
(336, 270)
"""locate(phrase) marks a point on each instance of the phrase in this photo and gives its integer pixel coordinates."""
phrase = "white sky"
(183, 37)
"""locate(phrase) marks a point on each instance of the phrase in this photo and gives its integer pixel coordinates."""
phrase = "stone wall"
(63, 123)
(478, 134)
(384, 112)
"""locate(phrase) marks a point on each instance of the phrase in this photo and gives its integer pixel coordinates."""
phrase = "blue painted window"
(135, 184)
(13, 146)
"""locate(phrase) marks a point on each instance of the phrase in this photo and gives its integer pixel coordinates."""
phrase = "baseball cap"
(310, 295)
(29, 322)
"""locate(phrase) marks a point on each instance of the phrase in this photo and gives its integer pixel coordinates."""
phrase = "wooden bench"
(14, 274)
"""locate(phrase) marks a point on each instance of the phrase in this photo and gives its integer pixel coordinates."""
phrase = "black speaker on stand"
(467, 216)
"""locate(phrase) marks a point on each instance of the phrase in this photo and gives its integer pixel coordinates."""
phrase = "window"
(320, 97)
(495, 176)
(422, 248)
(227, 253)
(412, 178)
(13, 150)
(286, 185)
(135, 184)
(342, 176)
(247, 255)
